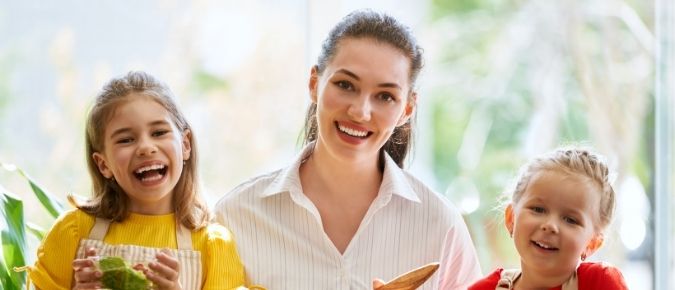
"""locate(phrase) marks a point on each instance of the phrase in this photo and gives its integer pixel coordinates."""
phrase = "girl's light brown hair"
(571, 160)
(109, 200)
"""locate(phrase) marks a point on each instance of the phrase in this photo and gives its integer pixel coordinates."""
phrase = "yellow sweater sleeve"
(222, 266)
(53, 266)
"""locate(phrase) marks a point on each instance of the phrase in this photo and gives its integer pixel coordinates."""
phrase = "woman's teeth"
(353, 132)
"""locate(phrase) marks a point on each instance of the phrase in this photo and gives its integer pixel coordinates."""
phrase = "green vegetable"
(117, 275)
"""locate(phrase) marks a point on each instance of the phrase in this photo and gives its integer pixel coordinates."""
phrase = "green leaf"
(36, 230)
(53, 205)
(13, 236)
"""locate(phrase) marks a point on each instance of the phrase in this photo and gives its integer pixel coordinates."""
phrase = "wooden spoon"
(412, 279)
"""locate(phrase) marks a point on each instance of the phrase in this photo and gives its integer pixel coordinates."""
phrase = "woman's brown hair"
(385, 29)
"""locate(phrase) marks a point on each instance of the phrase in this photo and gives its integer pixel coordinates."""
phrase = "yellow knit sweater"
(53, 268)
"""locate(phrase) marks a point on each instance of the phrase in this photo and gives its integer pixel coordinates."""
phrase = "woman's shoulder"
(253, 184)
(488, 282)
(600, 274)
(427, 195)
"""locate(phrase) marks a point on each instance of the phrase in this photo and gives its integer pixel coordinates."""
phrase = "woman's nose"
(360, 109)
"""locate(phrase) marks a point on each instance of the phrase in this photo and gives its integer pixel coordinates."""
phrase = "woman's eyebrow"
(353, 75)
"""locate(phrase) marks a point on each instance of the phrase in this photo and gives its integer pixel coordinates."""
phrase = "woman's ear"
(508, 219)
(102, 165)
(410, 106)
(313, 83)
(187, 144)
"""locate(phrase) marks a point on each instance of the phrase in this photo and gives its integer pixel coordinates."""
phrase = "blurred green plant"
(14, 228)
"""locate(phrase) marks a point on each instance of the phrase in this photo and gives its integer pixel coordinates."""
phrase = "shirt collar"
(394, 179)
(288, 180)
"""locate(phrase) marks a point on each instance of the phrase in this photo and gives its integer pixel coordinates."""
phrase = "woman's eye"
(387, 97)
(345, 85)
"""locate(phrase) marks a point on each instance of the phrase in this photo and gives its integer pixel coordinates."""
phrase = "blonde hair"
(109, 200)
(571, 160)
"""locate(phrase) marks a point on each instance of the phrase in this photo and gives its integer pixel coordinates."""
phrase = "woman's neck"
(339, 176)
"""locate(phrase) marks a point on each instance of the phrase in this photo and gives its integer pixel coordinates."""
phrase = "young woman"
(345, 212)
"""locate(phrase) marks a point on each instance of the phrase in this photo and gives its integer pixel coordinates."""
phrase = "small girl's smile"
(544, 246)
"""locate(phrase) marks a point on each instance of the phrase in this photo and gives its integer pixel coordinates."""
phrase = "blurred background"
(504, 80)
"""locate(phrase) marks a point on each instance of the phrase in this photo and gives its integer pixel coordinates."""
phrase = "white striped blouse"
(282, 244)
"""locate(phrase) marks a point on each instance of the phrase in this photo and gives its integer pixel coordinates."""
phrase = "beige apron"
(190, 261)
(509, 277)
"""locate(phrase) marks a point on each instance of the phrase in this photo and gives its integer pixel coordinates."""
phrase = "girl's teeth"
(543, 246)
(152, 178)
(148, 168)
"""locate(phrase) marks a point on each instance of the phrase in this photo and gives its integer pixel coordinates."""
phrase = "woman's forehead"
(366, 57)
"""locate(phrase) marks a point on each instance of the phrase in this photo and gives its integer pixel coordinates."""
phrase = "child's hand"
(85, 274)
(164, 272)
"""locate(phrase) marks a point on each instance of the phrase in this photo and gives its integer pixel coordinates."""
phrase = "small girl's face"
(554, 223)
(144, 152)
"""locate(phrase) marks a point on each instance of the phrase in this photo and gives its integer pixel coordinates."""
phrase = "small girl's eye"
(345, 85)
(537, 209)
(570, 220)
(159, 133)
(124, 140)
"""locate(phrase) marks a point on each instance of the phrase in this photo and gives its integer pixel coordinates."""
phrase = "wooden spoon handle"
(411, 279)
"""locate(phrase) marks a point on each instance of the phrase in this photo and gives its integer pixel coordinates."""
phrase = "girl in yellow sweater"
(145, 208)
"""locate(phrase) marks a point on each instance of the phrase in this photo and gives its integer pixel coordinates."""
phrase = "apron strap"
(99, 230)
(508, 278)
(183, 237)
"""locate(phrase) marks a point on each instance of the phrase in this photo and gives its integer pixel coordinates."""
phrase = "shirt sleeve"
(600, 276)
(223, 268)
(459, 261)
(53, 266)
(487, 283)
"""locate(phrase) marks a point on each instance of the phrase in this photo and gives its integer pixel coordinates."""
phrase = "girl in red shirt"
(560, 206)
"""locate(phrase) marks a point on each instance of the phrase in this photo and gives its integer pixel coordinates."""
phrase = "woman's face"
(362, 95)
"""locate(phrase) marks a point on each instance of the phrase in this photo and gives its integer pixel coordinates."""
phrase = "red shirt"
(591, 276)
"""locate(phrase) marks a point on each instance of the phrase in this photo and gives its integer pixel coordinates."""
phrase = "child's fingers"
(162, 282)
(164, 271)
(79, 264)
(165, 257)
(139, 267)
(90, 252)
(86, 277)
